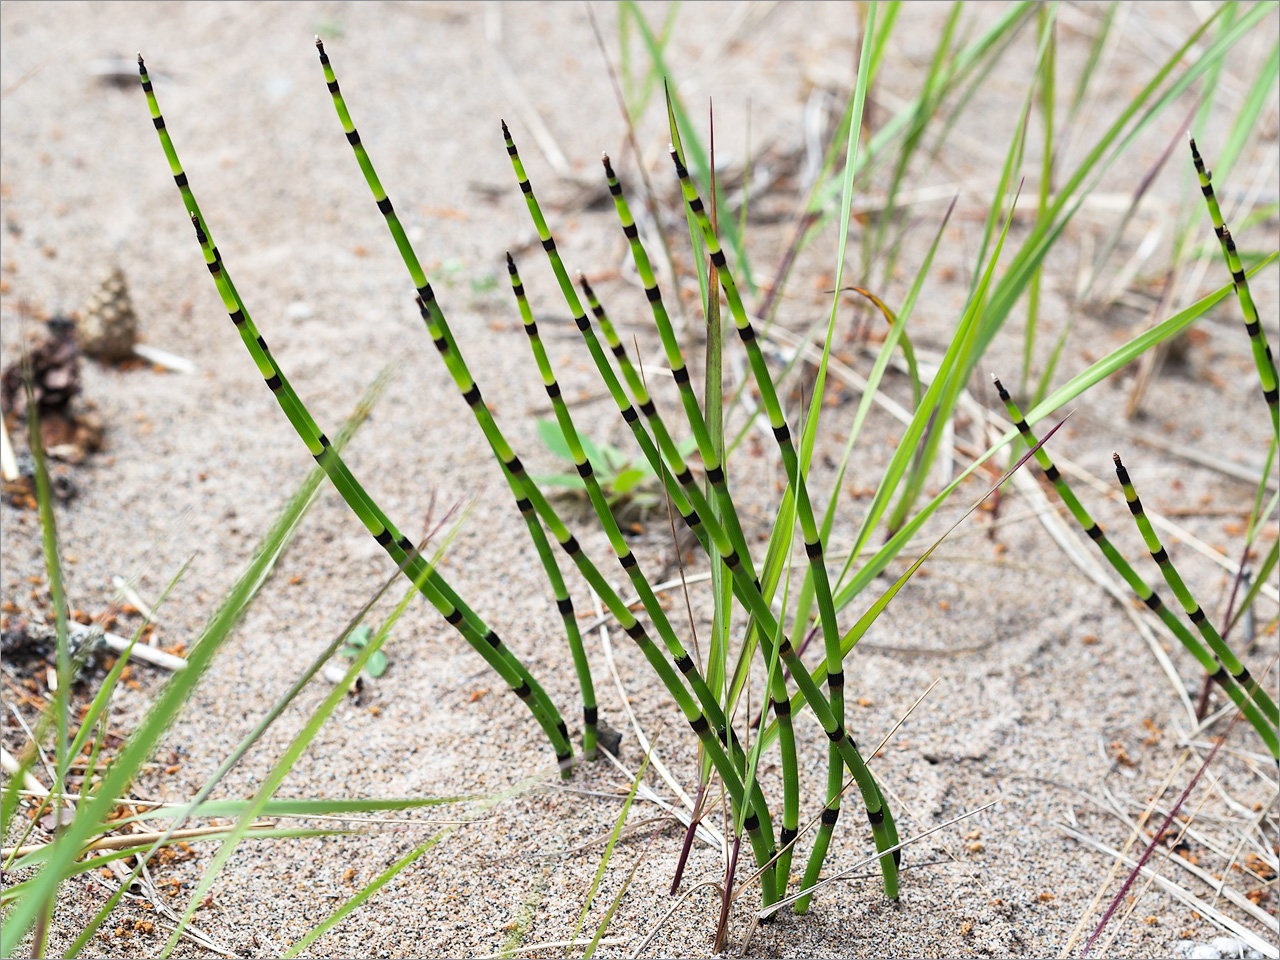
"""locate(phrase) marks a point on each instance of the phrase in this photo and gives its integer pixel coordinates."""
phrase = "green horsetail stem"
(808, 526)
(432, 585)
(1195, 613)
(742, 572)
(762, 835)
(564, 603)
(1148, 596)
(746, 586)
(1262, 356)
(438, 329)
(687, 496)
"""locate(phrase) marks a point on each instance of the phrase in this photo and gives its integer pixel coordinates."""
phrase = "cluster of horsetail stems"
(707, 507)
(1210, 649)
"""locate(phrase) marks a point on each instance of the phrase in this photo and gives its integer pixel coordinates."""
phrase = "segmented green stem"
(713, 537)
(746, 587)
(1194, 612)
(1263, 359)
(545, 555)
(799, 489)
(438, 329)
(432, 585)
(1136, 583)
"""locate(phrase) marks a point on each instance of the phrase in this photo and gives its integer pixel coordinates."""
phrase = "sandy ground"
(1046, 696)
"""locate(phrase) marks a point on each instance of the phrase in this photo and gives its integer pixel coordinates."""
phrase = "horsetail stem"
(431, 584)
(1136, 583)
(1194, 612)
(679, 371)
(442, 337)
(748, 588)
(1263, 359)
(799, 489)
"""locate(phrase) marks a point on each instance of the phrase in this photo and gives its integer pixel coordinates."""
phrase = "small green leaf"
(377, 664)
(626, 480)
(571, 480)
(554, 439)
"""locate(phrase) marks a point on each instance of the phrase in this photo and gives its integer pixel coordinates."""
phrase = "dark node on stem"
(564, 732)
(353, 137)
(782, 434)
(262, 345)
(530, 328)
(1161, 557)
(691, 519)
(589, 716)
(1197, 615)
(628, 560)
(453, 617)
(684, 477)
(523, 505)
(786, 835)
(514, 465)
(1094, 532)
(472, 395)
(699, 724)
(523, 691)
(582, 323)
(680, 375)
(493, 639)
(813, 550)
(324, 441)
(630, 415)
(553, 391)
(549, 244)
(746, 333)
(635, 631)
(875, 817)
(751, 824)
(830, 815)
(781, 708)
(383, 537)
(629, 230)
(238, 317)
(273, 383)
(1051, 472)
(835, 680)
(685, 664)
(1153, 602)
(715, 476)
(653, 293)
(385, 208)
(717, 259)
(565, 607)
(836, 735)
(571, 545)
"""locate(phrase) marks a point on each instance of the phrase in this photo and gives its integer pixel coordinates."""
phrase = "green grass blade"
(390, 873)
